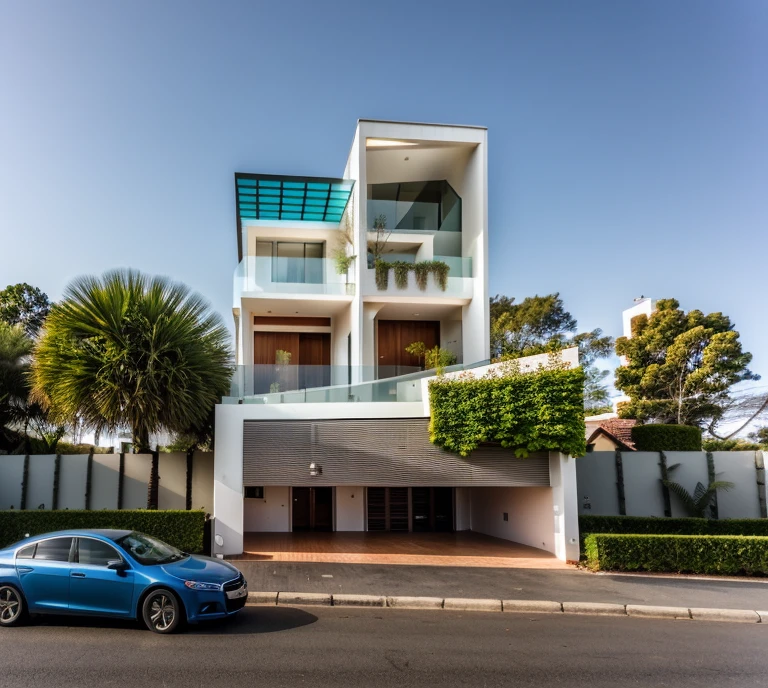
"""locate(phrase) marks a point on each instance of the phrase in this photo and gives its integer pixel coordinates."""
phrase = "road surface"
(318, 646)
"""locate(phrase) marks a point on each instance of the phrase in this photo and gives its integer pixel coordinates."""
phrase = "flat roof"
(424, 124)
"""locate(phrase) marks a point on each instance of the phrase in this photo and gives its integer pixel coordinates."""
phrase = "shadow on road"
(252, 620)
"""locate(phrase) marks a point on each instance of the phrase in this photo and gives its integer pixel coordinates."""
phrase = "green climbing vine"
(527, 412)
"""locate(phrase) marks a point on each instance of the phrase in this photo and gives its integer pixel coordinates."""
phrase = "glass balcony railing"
(290, 276)
(457, 284)
(412, 216)
(282, 384)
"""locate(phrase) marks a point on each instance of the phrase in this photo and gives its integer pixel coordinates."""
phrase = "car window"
(27, 552)
(148, 550)
(95, 552)
(56, 549)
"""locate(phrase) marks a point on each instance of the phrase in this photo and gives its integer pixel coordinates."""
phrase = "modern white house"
(326, 425)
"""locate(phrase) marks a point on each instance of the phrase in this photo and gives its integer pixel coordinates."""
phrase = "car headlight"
(196, 585)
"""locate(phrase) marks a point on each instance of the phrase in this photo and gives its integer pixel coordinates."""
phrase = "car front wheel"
(162, 611)
(12, 610)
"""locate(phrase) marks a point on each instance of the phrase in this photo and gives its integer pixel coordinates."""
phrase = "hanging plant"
(440, 270)
(422, 274)
(382, 274)
(401, 273)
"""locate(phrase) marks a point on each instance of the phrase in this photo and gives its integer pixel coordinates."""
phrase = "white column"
(562, 477)
(228, 479)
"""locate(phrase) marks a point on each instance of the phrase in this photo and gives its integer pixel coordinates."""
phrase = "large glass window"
(429, 205)
(293, 262)
(56, 549)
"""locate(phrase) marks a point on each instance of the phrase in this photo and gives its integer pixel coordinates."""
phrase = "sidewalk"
(519, 584)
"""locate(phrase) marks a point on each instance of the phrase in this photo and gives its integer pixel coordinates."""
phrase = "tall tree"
(15, 348)
(22, 304)
(680, 366)
(127, 349)
(541, 323)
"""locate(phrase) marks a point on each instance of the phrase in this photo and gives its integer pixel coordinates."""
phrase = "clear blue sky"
(628, 141)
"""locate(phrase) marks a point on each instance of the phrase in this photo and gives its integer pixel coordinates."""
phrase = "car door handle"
(78, 575)
(24, 569)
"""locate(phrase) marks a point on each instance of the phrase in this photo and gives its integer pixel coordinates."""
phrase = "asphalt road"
(524, 584)
(317, 646)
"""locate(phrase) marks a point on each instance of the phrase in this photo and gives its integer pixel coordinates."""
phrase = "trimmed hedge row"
(642, 525)
(657, 437)
(710, 554)
(182, 529)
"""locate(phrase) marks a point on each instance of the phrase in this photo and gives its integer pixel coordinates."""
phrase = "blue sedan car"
(116, 573)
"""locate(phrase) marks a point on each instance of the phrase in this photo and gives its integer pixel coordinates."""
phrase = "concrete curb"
(309, 599)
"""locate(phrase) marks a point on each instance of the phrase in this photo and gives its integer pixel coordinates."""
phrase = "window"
(95, 552)
(27, 552)
(254, 493)
(56, 549)
(292, 262)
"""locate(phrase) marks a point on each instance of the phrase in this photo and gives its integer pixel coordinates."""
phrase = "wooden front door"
(395, 335)
(301, 499)
(312, 508)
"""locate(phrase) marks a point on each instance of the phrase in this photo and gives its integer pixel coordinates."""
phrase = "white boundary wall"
(105, 474)
(598, 479)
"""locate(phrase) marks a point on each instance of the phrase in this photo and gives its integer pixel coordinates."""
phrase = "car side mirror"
(117, 565)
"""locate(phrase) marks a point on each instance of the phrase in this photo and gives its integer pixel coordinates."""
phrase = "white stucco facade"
(314, 346)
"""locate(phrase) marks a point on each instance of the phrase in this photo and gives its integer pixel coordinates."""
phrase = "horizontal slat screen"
(375, 452)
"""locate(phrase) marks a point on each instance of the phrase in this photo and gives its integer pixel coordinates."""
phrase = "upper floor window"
(292, 262)
(430, 205)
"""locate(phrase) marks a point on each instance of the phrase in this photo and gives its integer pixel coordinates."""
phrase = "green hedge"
(527, 412)
(666, 438)
(640, 525)
(182, 529)
(710, 554)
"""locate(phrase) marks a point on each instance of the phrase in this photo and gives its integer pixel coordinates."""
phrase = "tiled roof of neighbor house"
(618, 429)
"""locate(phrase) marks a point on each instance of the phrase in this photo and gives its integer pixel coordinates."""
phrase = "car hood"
(201, 569)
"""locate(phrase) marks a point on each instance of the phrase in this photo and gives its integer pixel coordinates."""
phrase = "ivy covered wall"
(527, 412)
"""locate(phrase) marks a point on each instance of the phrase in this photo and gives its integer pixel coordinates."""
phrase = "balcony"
(281, 384)
(286, 275)
(458, 285)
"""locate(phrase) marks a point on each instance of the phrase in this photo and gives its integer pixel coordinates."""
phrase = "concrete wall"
(350, 508)
(137, 469)
(104, 479)
(172, 488)
(11, 475)
(598, 491)
(596, 474)
(202, 481)
(72, 476)
(529, 510)
(271, 514)
(463, 519)
(105, 476)
(40, 488)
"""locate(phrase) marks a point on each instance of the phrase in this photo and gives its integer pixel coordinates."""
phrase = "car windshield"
(148, 550)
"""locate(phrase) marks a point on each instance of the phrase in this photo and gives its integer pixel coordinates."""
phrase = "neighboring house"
(610, 434)
(326, 427)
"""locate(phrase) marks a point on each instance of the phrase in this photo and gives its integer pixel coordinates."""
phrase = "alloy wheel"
(10, 605)
(162, 612)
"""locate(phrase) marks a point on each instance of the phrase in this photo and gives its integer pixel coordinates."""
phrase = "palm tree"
(128, 349)
(696, 504)
(15, 348)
